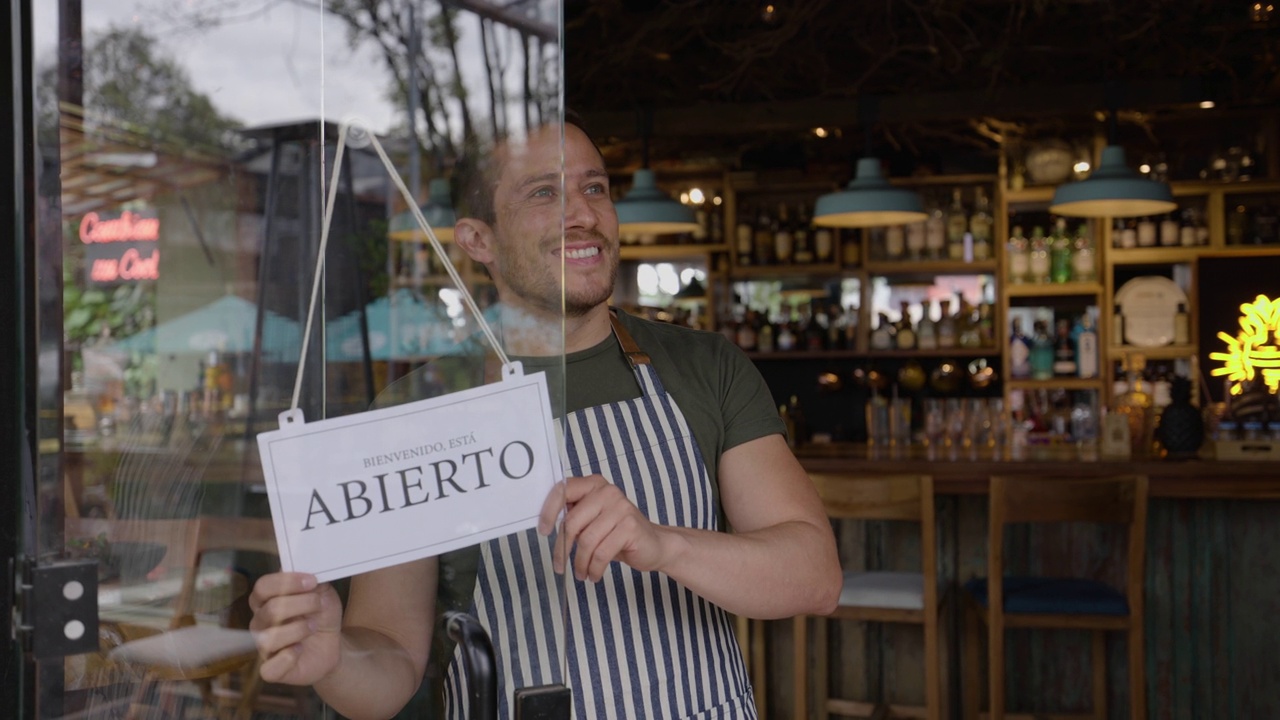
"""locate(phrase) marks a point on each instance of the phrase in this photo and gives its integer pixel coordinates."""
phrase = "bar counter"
(1212, 587)
(966, 472)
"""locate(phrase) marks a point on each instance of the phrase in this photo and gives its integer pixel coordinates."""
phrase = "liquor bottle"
(786, 335)
(1041, 353)
(895, 242)
(882, 336)
(1038, 263)
(1181, 326)
(926, 330)
(835, 328)
(1019, 253)
(966, 324)
(1187, 229)
(1086, 348)
(1084, 262)
(957, 226)
(905, 338)
(765, 336)
(935, 233)
(783, 240)
(1147, 232)
(764, 238)
(851, 327)
(915, 233)
(1060, 253)
(823, 242)
(1135, 406)
(802, 237)
(1117, 327)
(1266, 225)
(746, 337)
(815, 331)
(1161, 388)
(1019, 351)
(947, 331)
(1064, 351)
(1129, 234)
(744, 235)
(1169, 232)
(986, 324)
(980, 226)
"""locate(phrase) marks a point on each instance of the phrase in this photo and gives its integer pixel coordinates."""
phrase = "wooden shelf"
(1162, 352)
(789, 271)
(956, 352)
(1053, 289)
(806, 355)
(1064, 383)
(939, 267)
(1041, 194)
(664, 252)
(1155, 255)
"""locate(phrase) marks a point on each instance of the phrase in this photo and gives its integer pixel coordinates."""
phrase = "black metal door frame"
(18, 400)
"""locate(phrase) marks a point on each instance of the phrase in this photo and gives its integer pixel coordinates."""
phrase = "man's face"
(528, 256)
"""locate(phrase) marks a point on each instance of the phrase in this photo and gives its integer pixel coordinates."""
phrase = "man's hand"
(297, 626)
(605, 526)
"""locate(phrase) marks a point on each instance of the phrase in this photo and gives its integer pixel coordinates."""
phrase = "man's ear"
(475, 237)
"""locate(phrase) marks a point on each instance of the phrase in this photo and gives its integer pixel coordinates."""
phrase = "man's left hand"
(605, 526)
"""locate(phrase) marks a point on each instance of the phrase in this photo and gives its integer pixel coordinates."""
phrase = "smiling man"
(666, 430)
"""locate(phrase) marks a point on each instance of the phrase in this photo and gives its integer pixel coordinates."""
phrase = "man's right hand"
(297, 626)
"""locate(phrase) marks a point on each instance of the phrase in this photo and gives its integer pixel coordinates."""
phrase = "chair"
(1064, 603)
(204, 653)
(876, 596)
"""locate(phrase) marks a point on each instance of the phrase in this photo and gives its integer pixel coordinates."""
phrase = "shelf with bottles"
(1054, 345)
(1063, 262)
(1252, 216)
(1064, 383)
(1065, 289)
(941, 353)
(773, 228)
(786, 319)
(659, 251)
(958, 229)
(939, 317)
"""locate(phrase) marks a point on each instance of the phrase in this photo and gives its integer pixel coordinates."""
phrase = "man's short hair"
(477, 177)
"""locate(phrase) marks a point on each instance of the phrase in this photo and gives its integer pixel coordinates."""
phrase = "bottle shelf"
(771, 271)
(1053, 289)
(663, 252)
(1064, 383)
(806, 354)
(1159, 352)
(1155, 255)
(938, 267)
(956, 352)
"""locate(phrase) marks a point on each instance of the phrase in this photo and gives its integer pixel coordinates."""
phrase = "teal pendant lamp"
(868, 201)
(1113, 190)
(438, 212)
(646, 210)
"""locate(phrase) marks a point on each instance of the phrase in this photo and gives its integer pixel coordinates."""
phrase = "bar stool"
(1064, 603)
(874, 596)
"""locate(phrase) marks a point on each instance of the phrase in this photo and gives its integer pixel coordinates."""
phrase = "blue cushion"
(1061, 596)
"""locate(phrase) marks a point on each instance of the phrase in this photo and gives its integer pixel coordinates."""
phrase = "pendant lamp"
(438, 212)
(646, 210)
(1113, 190)
(868, 201)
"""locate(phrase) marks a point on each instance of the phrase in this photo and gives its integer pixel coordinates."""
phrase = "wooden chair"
(208, 655)
(874, 596)
(1064, 603)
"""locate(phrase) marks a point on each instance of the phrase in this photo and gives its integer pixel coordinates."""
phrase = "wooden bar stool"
(873, 596)
(1051, 602)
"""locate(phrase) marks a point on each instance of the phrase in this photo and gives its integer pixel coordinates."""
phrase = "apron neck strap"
(629, 348)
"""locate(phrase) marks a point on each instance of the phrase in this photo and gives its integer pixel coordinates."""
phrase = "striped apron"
(635, 644)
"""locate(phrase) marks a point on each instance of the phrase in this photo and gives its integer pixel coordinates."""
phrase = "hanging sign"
(357, 493)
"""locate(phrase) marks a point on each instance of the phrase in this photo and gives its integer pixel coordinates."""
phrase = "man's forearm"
(374, 679)
(775, 572)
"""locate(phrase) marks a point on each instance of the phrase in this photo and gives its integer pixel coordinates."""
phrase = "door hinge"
(55, 606)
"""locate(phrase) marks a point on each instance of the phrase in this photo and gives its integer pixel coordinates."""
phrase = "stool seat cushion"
(897, 590)
(1054, 596)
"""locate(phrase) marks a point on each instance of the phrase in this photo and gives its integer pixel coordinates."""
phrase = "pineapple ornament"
(1181, 428)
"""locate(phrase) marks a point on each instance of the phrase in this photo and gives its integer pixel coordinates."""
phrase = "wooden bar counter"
(1212, 584)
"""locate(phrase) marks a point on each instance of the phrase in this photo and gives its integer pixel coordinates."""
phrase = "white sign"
(362, 492)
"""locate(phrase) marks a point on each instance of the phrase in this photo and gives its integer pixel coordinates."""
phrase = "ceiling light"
(820, 132)
(438, 212)
(868, 201)
(1081, 167)
(1206, 104)
(646, 210)
(696, 196)
(1113, 190)
(1144, 168)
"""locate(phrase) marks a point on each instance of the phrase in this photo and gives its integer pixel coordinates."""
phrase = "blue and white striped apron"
(638, 644)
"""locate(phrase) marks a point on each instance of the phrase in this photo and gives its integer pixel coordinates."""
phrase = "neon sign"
(123, 248)
(1256, 350)
(129, 227)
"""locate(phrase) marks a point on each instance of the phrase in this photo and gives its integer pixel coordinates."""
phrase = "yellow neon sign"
(1256, 350)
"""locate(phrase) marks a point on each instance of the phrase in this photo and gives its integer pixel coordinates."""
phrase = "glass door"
(187, 167)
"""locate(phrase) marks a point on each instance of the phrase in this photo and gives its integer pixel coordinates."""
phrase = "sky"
(283, 64)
